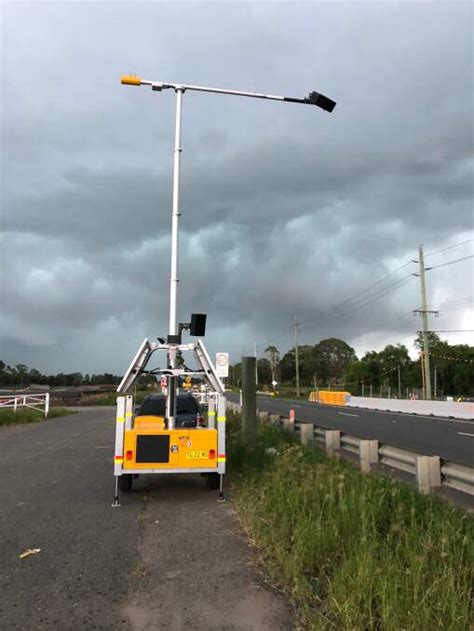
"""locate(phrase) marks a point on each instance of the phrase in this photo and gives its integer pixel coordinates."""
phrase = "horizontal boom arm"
(314, 98)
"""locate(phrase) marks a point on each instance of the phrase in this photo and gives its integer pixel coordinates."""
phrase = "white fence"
(428, 408)
(38, 402)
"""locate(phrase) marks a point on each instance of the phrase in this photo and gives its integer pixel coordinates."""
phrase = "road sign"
(222, 364)
(274, 383)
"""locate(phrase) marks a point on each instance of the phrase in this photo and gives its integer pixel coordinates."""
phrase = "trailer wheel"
(212, 481)
(125, 482)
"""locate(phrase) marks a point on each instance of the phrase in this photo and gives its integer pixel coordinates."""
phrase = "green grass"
(27, 415)
(353, 551)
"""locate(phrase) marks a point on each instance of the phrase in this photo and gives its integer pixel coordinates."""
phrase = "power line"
(453, 359)
(370, 287)
(450, 247)
(464, 258)
(383, 291)
(404, 315)
(453, 331)
(455, 307)
(451, 303)
(367, 380)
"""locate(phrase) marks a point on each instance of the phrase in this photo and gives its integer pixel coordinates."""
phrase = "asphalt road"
(448, 438)
(171, 558)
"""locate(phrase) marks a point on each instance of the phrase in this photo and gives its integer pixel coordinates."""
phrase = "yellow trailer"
(146, 445)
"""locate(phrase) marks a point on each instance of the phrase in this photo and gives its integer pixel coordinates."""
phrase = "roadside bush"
(354, 551)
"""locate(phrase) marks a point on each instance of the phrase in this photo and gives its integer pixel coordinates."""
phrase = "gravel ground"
(171, 558)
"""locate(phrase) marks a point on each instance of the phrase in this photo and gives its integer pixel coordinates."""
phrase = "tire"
(212, 481)
(125, 482)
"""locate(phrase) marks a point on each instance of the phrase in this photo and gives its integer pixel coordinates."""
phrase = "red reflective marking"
(212, 454)
(221, 456)
(129, 454)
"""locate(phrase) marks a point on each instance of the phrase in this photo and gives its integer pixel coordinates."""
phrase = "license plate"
(197, 455)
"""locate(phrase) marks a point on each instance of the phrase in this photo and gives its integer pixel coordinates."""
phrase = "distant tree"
(389, 359)
(335, 357)
(287, 367)
(357, 373)
(311, 364)
(235, 375)
(264, 371)
(274, 358)
(434, 340)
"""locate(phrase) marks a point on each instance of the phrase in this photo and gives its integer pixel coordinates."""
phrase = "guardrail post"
(428, 473)
(263, 416)
(307, 433)
(333, 441)
(368, 454)
(274, 419)
(46, 405)
(289, 424)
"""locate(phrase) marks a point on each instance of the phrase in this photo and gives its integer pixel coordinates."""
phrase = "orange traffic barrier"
(329, 397)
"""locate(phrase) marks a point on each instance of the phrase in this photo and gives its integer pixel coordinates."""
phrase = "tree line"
(332, 363)
(20, 376)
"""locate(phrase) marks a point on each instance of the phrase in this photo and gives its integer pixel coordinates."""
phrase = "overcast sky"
(286, 209)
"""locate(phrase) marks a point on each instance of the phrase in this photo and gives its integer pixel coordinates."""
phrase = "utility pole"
(399, 383)
(424, 311)
(296, 330)
(435, 382)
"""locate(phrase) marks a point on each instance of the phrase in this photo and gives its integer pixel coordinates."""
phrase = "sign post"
(222, 364)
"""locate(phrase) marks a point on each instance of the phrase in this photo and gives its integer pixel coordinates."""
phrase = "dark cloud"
(286, 210)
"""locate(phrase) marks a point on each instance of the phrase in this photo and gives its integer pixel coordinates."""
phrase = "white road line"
(405, 415)
(346, 414)
(465, 434)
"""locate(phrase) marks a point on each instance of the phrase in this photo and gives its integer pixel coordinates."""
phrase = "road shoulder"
(198, 571)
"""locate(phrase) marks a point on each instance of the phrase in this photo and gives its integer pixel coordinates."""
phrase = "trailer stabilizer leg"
(221, 488)
(116, 501)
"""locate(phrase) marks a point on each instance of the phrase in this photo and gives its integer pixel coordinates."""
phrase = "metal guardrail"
(350, 443)
(398, 458)
(430, 472)
(458, 477)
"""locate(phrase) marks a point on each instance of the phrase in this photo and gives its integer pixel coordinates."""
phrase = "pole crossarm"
(313, 98)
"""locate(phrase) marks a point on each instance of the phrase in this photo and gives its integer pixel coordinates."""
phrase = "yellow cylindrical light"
(128, 79)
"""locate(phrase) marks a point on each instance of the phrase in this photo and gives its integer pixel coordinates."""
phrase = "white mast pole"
(173, 321)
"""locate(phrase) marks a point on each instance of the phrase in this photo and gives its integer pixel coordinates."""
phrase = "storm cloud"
(286, 210)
